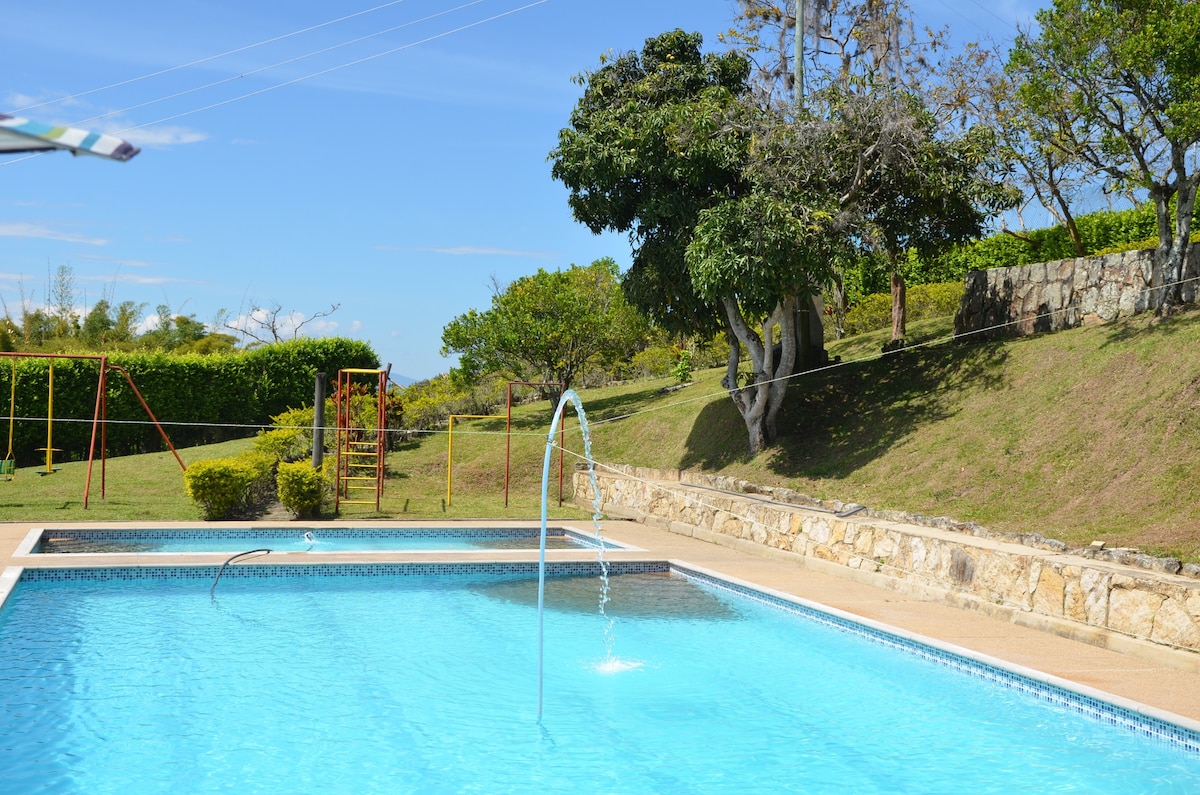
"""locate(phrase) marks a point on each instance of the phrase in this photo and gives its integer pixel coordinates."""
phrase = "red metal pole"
(150, 413)
(104, 427)
(87, 483)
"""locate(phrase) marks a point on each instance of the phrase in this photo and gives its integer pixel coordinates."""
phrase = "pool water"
(426, 683)
(230, 540)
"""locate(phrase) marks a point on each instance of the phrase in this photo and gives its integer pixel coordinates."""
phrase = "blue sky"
(399, 187)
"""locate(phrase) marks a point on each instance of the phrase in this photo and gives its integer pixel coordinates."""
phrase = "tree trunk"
(1176, 238)
(899, 306)
(759, 401)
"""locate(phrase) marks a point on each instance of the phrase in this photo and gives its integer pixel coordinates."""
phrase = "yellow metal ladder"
(360, 448)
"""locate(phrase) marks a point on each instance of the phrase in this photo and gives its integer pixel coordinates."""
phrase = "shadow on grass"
(836, 421)
(1128, 331)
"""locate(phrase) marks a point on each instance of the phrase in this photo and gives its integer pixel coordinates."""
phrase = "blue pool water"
(291, 539)
(421, 679)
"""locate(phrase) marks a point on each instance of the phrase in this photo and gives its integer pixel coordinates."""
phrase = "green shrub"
(302, 489)
(683, 366)
(925, 301)
(653, 362)
(872, 312)
(227, 487)
(292, 438)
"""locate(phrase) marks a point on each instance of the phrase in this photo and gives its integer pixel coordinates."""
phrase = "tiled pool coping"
(1148, 721)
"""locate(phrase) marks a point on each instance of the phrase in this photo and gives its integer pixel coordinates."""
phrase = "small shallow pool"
(309, 539)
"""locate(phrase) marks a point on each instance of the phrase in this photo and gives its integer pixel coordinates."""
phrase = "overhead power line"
(206, 59)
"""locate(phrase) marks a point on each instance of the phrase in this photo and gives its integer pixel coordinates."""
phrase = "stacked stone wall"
(1042, 579)
(1051, 296)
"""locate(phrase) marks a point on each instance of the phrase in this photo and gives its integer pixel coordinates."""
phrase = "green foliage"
(302, 489)
(547, 327)
(683, 366)
(291, 438)
(925, 302)
(644, 154)
(1118, 81)
(226, 487)
(1102, 232)
(655, 361)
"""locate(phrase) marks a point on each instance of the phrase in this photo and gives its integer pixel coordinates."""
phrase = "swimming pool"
(307, 539)
(419, 678)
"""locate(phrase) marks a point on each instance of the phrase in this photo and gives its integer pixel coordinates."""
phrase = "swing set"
(8, 467)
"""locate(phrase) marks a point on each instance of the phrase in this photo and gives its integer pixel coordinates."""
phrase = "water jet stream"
(573, 397)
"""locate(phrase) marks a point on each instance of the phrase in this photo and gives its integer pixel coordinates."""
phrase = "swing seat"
(49, 469)
(8, 468)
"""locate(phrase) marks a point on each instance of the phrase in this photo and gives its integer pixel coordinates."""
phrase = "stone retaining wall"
(1051, 296)
(1072, 590)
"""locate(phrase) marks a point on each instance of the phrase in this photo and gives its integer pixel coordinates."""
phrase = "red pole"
(103, 427)
(150, 413)
(87, 483)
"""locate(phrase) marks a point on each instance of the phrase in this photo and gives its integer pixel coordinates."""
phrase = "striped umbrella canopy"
(23, 135)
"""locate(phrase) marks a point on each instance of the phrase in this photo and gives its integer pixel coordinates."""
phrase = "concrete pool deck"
(1155, 676)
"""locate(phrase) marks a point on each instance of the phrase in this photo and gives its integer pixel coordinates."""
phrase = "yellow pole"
(450, 461)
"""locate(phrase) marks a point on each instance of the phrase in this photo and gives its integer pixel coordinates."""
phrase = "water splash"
(615, 665)
(571, 396)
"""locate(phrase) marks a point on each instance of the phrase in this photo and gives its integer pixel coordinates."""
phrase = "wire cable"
(206, 59)
(278, 64)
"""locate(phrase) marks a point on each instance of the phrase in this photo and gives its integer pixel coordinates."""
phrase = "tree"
(658, 146)
(1119, 81)
(981, 91)
(97, 325)
(630, 166)
(270, 324)
(865, 115)
(62, 302)
(546, 327)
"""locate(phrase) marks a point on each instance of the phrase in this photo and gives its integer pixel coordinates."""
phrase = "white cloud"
(25, 229)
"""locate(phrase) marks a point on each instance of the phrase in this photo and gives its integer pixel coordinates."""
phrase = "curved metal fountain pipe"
(572, 396)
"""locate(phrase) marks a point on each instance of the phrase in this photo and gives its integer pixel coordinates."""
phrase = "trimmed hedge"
(199, 399)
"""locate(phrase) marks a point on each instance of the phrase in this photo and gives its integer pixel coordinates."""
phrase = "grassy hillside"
(1081, 435)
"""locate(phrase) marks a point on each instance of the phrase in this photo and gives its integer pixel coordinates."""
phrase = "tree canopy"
(635, 161)
(547, 327)
(1119, 82)
(739, 205)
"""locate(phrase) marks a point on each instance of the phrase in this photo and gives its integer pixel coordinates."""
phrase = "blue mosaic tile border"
(1097, 709)
(525, 569)
(264, 533)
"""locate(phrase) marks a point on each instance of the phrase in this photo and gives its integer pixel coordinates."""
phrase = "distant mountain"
(402, 380)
